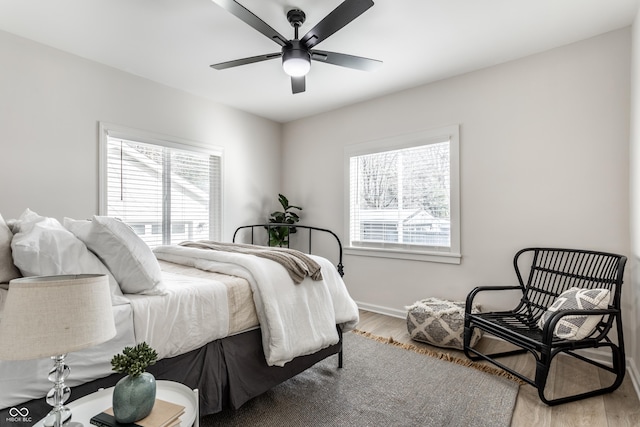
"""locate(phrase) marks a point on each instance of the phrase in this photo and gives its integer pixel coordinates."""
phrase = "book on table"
(163, 414)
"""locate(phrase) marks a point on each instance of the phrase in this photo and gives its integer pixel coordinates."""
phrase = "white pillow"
(577, 327)
(129, 258)
(8, 270)
(43, 247)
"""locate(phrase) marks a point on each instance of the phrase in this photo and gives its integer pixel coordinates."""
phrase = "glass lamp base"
(60, 415)
(68, 424)
(52, 419)
(65, 419)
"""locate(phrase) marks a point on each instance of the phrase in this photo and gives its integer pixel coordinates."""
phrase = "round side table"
(86, 407)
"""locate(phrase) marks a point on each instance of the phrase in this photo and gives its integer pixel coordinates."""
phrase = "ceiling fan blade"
(346, 12)
(298, 84)
(245, 61)
(249, 18)
(343, 60)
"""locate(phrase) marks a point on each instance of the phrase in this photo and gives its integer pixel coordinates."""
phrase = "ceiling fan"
(297, 53)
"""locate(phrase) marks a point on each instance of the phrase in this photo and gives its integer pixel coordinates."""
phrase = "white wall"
(50, 106)
(633, 347)
(544, 155)
(544, 161)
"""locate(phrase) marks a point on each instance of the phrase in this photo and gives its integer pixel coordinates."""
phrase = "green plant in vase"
(135, 394)
(279, 236)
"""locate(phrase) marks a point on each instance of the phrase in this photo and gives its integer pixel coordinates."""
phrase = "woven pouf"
(439, 322)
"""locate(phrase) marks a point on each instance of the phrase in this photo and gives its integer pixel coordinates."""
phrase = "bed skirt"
(227, 373)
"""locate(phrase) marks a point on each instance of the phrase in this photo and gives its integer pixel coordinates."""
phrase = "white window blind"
(166, 194)
(402, 197)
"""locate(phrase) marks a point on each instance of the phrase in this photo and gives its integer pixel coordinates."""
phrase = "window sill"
(441, 257)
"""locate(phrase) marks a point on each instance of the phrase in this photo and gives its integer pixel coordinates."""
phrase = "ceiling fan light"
(296, 62)
(296, 67)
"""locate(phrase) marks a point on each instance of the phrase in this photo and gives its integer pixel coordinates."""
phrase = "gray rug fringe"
(442, 356)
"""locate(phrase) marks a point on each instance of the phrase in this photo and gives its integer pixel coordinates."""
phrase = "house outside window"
(402, 197)
(168, 191)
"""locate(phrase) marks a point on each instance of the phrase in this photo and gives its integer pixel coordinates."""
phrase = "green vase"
(133, 398)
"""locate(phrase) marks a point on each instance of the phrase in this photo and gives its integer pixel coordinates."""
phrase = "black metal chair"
(551, 272)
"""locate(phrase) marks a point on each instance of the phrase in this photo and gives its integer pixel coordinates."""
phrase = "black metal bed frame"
(266, 227)
(552, 272)
(294, 227)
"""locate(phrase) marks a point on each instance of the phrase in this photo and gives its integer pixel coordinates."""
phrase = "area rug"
(380, 385)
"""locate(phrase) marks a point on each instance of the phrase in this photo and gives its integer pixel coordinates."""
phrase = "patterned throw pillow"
(579, 326)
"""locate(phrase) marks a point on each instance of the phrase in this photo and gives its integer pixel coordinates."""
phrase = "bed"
(214, 316)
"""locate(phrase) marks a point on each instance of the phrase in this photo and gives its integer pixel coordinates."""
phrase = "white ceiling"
(173, 42)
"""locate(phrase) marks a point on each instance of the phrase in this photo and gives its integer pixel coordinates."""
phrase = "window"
(403, 197)
(167, 191)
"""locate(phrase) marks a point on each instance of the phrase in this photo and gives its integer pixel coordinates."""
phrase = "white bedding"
(295, 319)
(196, 309)
(27, 379)
(193, 312)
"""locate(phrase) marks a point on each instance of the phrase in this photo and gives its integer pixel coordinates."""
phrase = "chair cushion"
(579, 326)
(439, 322)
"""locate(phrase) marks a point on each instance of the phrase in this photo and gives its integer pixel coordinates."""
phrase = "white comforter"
(295, 319)
(193, 312)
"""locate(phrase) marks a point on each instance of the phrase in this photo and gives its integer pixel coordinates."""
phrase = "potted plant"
(279, 236)
(135, 394)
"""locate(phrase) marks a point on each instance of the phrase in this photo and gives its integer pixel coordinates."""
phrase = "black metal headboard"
(268, 226)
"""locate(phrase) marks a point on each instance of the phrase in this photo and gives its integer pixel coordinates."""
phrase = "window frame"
(450, 255)
(107, 130)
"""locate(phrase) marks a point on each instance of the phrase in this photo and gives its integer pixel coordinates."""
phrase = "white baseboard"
(601, 356)
(402, 314)
(632, 370)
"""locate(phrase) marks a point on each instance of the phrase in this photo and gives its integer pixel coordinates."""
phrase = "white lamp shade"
(53, 315)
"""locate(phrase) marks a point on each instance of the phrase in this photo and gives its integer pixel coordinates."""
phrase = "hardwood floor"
(620, 408)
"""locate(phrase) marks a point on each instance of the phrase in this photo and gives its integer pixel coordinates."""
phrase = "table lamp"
(50, 316)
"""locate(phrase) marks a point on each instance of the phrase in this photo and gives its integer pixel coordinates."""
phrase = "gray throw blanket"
(297, 264)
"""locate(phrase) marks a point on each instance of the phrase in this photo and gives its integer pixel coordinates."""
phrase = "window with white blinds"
(167, 192)
(403, 196)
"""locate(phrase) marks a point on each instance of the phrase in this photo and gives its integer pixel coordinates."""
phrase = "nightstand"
(86, 407)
